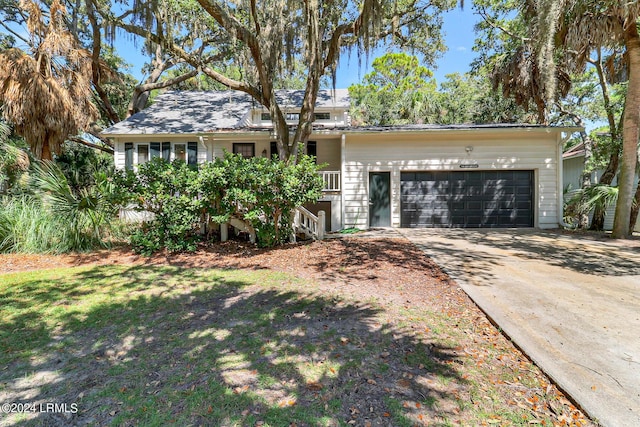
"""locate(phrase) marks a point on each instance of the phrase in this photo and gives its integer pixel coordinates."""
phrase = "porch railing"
(331, 180)
(305, 222)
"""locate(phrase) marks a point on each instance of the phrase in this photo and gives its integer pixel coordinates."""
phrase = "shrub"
(266, 192)
(263, 192)
(170, 192)
(53, 217)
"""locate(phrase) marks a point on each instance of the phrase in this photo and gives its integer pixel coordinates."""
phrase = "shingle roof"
(187, 112)
(575, 151)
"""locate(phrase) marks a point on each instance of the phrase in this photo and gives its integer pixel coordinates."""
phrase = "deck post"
(322, 218)
(224, 231)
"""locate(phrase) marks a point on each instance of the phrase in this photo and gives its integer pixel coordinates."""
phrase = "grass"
(26, 226)
(160, 346)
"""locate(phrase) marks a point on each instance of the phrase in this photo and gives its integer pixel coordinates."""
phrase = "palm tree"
(47, 94)
(578, 27)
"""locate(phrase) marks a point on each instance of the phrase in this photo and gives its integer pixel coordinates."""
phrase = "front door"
(379, 199)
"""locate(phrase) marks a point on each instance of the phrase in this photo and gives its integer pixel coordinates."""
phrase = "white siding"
(329, 152)
(439, 151)
(572, 171)
(204, 146)
(118, 154)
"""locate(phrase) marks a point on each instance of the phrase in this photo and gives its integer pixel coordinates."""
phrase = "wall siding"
(572, 174)
(409, 152)
(329, 152)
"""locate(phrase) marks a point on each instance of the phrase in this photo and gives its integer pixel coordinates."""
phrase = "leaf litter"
(428, 356)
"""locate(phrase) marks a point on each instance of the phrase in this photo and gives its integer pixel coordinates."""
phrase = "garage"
(467, 199)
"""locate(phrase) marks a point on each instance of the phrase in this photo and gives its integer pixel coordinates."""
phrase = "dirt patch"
(468, 367)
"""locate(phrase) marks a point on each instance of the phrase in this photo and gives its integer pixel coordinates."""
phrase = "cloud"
(461, 49)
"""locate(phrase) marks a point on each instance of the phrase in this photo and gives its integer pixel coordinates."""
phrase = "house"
(503, 175)
(573, 164)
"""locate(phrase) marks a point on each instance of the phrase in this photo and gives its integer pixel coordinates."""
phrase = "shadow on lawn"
(216, 350)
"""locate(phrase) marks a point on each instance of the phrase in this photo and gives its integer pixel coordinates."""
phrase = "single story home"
(499, 175)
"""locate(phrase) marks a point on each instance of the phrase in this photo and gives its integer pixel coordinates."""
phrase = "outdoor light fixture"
(264, 153)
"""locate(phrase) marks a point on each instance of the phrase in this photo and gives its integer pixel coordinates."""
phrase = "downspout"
(560, 183)
(343, 157)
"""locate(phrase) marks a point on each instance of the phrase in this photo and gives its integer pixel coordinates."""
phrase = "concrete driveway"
(571, 303)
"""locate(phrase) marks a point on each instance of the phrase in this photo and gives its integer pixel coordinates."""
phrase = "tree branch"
(15, 34)
(89, 144)
(485, 17)
(95, 64)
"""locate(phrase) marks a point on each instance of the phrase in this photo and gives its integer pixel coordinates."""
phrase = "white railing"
(331, 180)
(307, 223)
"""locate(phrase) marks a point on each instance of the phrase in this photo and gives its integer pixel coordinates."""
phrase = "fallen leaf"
(314, 386)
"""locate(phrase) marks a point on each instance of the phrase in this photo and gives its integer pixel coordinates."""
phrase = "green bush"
(169, 191)
(266, 192)
(183, 200)
(54, 218)
(27, 226)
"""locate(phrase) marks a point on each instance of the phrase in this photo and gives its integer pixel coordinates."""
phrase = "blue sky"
(459, 37)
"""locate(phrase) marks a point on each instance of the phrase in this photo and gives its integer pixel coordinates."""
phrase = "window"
(166, 151)
(192, 153)
(273, 149)
(312, 150)
(245, 149)
(293, 116)
(322, 116)
(143, 154)
(128, 155)
(180, 152)
(154, 147)
(265, 117)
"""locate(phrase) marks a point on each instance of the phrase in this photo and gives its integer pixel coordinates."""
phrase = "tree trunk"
(630, 136)
(634, 210)
(583, 221)
(597, 223)
(315, 71)
(46, 152)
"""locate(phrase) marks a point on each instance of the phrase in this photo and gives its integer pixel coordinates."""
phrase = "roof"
(460, 127)
(197, 112)
(189, 112)
(575, 151)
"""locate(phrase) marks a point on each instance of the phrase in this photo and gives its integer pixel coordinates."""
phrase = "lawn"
(158, 345)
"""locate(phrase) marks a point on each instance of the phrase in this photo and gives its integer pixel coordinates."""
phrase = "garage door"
(467, 199)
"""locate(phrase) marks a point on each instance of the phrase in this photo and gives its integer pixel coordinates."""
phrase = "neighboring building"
(502, 175)
(573, 164)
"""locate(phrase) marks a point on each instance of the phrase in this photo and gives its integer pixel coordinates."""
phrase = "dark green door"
(379, 199)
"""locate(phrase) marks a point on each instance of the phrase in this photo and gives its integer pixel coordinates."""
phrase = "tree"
(553, 39)
(470, 98)
(47, 95)
(398, 91)
(265, 39)
(582, 26)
